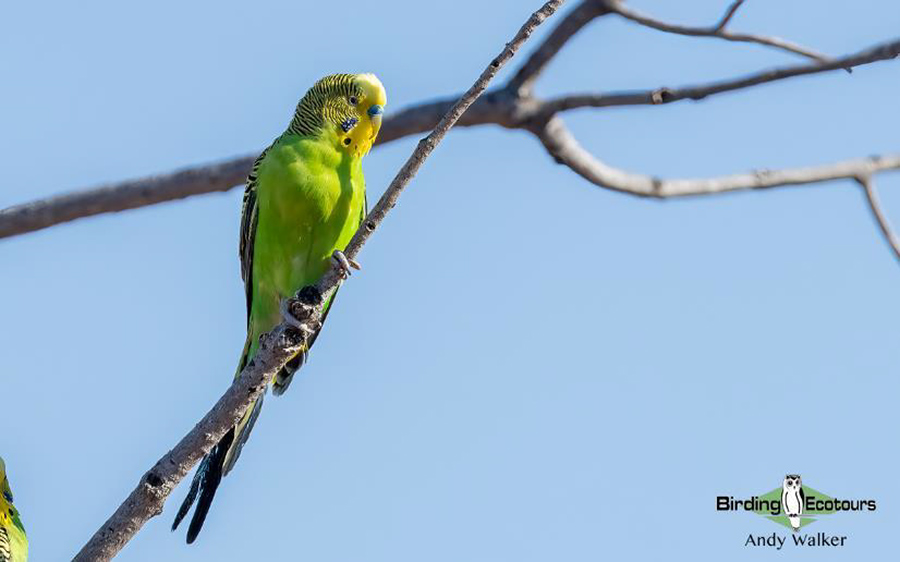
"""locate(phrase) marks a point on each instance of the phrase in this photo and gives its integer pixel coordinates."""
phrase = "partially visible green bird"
(13, 542)
(305, 198)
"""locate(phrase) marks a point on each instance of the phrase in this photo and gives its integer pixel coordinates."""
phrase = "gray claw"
(344, 263)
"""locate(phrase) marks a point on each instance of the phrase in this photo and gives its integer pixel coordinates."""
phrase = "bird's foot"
(298, 314)
(344, 263)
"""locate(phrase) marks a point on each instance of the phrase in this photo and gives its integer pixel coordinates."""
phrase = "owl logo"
(792, 499)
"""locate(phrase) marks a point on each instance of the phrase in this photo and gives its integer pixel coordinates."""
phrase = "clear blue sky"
(528, 368)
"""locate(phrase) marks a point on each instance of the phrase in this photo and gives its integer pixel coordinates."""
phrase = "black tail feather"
(192, 493)
(206, 482)
(212, 468)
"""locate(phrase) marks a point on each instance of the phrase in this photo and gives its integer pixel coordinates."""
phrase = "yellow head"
(344, 107)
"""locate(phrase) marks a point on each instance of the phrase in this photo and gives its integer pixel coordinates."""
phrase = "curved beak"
(375, 112)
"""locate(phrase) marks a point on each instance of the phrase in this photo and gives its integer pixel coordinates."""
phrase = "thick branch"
(279, 345)
(122, 196)
(494, 108)
(565, 149)
(718, 30)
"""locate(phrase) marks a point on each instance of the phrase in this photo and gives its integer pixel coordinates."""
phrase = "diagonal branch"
(618, 7)
(278, 345)
(880, 52)
(868, 185)
(565, 149)
(523, 81)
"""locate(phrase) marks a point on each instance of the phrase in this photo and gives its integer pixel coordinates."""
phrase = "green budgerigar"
(13, 542)
(305, 198)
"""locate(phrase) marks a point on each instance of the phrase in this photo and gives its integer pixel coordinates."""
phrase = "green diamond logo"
(806, 516)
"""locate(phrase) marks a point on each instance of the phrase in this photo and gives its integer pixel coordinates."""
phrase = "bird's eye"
(8, 497)
(353, 100)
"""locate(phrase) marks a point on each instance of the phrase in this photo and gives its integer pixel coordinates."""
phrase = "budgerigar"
(13, 542)
(304, 200)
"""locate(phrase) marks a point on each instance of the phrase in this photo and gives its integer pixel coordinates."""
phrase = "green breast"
(13, 544)
(311, 197)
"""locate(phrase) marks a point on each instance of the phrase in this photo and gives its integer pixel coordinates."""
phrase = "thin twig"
(277, 346)
(619, 7)
(868, 185)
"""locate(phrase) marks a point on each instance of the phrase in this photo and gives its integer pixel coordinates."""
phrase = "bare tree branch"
(148, 498)
(511, 106)
(122, 196)
(565, 149)
(493, 108)
(496, 107)
(880, 52)
(868, 185)
(523, 81)
(279, 345)
(718, 30)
